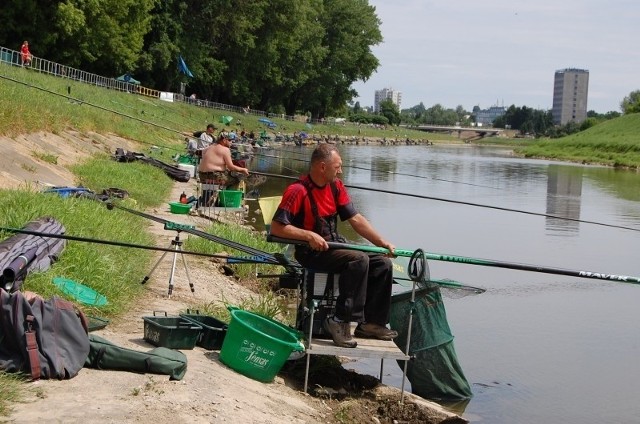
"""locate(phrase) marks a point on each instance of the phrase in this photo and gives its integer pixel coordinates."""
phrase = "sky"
(504, 52)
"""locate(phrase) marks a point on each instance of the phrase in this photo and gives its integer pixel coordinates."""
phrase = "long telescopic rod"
(473, 261)
(264, 256)
(229, 259)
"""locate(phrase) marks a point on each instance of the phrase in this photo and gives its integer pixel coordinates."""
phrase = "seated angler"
(308, 211)
(217, 165)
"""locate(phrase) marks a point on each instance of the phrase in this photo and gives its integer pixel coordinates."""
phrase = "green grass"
(45, 157)
(27, 108)
(12, 389)
(614, 143)
(147, 185)
(108, 269)
(267, 303)
(240, 235)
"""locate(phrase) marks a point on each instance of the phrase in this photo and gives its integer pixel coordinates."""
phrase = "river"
(535, 347)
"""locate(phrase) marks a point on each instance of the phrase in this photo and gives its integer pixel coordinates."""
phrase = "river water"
(535, 347)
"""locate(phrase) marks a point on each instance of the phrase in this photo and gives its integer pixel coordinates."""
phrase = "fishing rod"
(268, 257)
(471, 261)
(460, 202)
(228, 259)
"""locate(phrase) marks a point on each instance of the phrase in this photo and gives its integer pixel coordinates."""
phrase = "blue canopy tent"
(128, 78)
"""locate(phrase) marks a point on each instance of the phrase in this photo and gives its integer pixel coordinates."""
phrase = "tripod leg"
(173, 268)
(146, 278)
(186, 270)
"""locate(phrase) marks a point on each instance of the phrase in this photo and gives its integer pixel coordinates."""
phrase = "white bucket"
(188, 167)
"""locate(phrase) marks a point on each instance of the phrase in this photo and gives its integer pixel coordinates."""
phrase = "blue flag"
(182, 67)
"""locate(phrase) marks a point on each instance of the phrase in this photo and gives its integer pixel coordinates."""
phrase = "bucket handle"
(160, 312)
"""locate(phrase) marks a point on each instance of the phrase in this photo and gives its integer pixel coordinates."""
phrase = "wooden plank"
(208, 211)
(367, 348)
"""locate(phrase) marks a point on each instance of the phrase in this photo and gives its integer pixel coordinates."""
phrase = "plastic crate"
(213, 330)
(171, 332)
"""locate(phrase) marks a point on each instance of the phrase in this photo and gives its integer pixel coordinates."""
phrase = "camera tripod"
(176, 246)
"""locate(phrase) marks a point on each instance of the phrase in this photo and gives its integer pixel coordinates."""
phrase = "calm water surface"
(536, 348)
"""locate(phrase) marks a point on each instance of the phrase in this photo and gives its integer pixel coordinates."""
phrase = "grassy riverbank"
(26, 109)
(613, 143)
(36, 102)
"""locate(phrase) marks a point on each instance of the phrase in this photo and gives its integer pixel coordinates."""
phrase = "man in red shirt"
(308, 211)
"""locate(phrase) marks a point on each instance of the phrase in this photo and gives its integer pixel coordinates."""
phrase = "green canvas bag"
(105, 355)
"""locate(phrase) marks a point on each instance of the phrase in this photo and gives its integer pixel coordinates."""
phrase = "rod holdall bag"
(105, 355)
(42, 338)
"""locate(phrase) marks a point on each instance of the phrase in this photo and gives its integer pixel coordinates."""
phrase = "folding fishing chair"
(318, 293)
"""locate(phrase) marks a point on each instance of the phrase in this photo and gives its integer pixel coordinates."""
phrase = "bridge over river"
(480, 131)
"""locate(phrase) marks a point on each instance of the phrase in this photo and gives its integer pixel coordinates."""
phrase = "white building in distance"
(387, 94)
(485, 117)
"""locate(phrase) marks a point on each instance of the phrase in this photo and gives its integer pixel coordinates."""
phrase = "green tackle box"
(213, 330)
(171, 332)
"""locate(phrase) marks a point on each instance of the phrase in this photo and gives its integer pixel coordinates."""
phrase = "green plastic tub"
(179, 208)
(230, 198)
(257, 347)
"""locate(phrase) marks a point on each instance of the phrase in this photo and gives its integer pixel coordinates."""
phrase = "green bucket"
(230, 198)
(256, 346)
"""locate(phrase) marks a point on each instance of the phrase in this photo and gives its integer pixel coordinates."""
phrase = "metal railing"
(14, 58)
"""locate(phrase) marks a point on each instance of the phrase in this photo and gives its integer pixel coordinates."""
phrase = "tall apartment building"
(570, 92)
(384, 94)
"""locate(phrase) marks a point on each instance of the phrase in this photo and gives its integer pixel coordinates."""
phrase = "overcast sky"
(465, 52)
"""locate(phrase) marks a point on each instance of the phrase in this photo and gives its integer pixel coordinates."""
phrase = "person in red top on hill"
(308, 211)
(25, 54)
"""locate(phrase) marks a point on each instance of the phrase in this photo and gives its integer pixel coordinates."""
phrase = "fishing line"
(268, 257)
(232, 259)
(391, 172)
(351, 186)
(459, 202)
(271, 161)
(181, 133)
(101, 108)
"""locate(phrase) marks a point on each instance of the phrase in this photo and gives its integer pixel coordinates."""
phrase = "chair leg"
(306, 371)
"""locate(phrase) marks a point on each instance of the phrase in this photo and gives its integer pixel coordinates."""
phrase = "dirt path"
(210, 391)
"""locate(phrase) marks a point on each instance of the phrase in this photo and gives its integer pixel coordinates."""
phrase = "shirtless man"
(216, 165)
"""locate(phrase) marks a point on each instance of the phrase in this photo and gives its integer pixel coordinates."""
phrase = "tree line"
(526, 120)
(281, 56)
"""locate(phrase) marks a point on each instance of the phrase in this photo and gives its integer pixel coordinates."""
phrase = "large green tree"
(283, 56)
(101, 36)
(526, 120)
(157, 63)
(351, 28)
(390, 110)
(631, 103)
